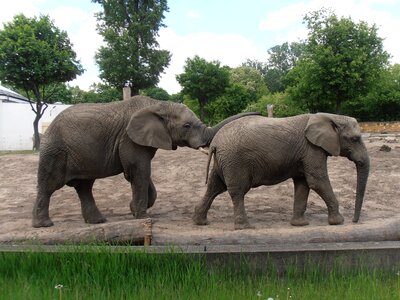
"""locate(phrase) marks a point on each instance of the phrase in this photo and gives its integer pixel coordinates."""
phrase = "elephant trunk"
(210, 132)
(362, 178)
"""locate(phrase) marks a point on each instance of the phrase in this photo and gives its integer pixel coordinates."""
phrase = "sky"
(228, 31)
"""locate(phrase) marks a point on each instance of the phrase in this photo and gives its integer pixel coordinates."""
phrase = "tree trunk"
(202, 103)
(39, 111)
(338, 106)
(36, 135)
(134, 91)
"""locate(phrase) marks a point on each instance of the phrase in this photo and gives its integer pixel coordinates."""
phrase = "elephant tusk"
(202, 150)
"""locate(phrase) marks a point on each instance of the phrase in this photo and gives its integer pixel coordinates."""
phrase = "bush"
(283, 105)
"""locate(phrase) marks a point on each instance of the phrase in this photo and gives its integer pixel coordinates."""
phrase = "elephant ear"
(322, 131)
(147, 128)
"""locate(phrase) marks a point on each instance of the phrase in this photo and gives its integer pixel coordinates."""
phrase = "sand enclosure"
(179, 177)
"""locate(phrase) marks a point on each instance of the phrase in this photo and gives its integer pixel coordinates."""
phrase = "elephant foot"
(243, 225)
(97, 220)
(42, 223)
(299, 221)
(336, 219)
(141, 215)
(200, 220)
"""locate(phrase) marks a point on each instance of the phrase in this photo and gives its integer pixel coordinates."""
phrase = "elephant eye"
(356, 139)
(187, 125)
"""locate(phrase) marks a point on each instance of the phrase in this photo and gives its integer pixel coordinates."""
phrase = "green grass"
(6, 152)
(104, 274)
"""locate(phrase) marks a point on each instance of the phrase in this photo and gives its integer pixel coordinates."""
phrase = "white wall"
(16, 124)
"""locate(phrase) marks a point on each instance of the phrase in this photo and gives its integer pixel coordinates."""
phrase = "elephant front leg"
(140, 183)
(152, 194)
(215, 187)
(322, 186)
(301, 192)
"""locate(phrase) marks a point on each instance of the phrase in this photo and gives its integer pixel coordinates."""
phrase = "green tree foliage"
(98, 93)
(234, 100)
(283, 105)
(382, 103)
(246, 85)
(204, 81)
(156, 93)
(129, 29)
(341, 62)
(36, 56)
(282, 58)
(251, 79)
(256, 64)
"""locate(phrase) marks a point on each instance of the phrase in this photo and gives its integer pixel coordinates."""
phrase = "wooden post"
(126, 93)
(270, 109)
(147, 232)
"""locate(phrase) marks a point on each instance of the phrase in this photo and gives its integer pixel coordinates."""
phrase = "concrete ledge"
(349, 256)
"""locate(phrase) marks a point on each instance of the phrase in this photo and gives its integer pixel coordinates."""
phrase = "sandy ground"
(179, 177)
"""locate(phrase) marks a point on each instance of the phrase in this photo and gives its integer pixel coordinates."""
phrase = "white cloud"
(287, 25)
(193, 14)
(8, 9)
(229, 49)
(81, 28)
(284, 18)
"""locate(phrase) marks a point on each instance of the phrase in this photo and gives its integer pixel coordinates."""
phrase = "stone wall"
(380, 127)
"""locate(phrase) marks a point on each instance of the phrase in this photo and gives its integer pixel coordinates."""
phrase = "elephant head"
(168, 125)
(341, 135)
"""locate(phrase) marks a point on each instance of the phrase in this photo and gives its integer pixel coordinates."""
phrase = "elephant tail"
(211, 152)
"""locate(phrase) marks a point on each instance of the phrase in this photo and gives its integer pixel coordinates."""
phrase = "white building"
(16, 120)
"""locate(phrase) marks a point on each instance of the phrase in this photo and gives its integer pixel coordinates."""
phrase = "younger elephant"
(90, 141)
(255, 151)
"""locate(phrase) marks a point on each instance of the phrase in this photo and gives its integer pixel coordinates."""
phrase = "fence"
(16, 124)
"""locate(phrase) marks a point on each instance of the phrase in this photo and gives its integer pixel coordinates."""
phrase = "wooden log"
(388, 230)
(122, 232)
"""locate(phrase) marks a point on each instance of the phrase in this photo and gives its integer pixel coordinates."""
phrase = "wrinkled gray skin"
(255, 151)
(91, 141)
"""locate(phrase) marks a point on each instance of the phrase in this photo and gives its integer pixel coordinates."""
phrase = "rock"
(385, 148)
(391, 140)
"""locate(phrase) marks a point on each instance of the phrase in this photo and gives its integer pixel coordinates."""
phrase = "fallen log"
(131, 232)
(388, 230)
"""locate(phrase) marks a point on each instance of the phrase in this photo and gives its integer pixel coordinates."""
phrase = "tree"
(156, 93)
(282, 58)
(246, 85)
(204, 81)
(251, 79)
(283, 105)
(341, 62)
(36, 56)
(234, 100)
(129, 29)
(98, 93)
(256, 64)
(382, 103)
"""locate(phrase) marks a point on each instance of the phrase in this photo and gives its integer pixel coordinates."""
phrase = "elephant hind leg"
(239, 211)
(215, 186)
(301, 192)
(90, 212)
(51, 176)
(40, 213)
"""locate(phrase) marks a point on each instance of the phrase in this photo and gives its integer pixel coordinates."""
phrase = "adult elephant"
(90, 141)
(256, 151)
